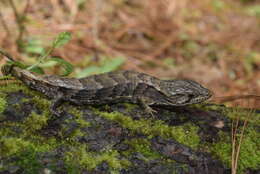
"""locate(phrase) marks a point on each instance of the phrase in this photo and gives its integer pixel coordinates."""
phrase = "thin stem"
(41, 58)
(234, 146)
(242, 135)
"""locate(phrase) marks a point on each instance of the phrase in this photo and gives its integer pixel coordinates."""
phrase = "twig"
(6, 55)
(26, 9)
(96, 16)
(234, 151)
(168, 42)
(95, 29)
(15, 11)
(235, 97)
(19, 18)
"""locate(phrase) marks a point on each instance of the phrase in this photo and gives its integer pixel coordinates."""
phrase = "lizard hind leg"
(145, 105)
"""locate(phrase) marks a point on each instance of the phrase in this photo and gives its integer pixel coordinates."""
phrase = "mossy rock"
(119, 138)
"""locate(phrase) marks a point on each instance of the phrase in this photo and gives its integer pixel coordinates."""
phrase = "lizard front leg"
(55, 104)
(144, 103)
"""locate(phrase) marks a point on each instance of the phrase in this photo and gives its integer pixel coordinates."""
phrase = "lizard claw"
(54, 107)
(150, 111)
(146, 107)
(57, 113)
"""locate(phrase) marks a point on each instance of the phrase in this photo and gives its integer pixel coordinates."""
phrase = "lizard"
(112, 87)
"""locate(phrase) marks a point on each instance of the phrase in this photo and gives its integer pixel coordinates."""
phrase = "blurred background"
(214, 42)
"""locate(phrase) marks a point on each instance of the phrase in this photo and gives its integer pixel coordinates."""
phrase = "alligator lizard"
(112, 87)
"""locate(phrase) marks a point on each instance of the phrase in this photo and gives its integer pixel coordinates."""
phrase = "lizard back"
(113, 87)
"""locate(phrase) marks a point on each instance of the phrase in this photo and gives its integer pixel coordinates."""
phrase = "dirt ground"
(215, 42)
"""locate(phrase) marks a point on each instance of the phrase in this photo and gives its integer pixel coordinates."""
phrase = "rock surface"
(117, 138)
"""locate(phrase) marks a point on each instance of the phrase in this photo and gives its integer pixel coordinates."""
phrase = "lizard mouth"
(199, 99)
(192, 99)
(182, 100)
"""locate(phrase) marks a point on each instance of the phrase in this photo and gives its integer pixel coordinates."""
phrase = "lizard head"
(184, 92)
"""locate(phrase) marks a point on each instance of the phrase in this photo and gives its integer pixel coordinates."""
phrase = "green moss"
(11, 87)
(42, 103)
(35, 122)
(129, 106)
(2, 104)
(25, 151)
(72, 128)
(249, 156)
(79, 156)
(14, 145)
(25, 100)
(243, 114)
(209, 107)
(78, 115)
(69, 134)
(232, 112)
(25, 148)
(28, 161)
(11, 145)
(37, 97)
(6, 77)
(186, 134)
(26, 145)
(142, 146)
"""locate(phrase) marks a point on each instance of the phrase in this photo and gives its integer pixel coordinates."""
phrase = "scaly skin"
(113, 87)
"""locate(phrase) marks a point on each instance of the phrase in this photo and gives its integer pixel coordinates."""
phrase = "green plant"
(105, 64)
(59, 41)
(45, 58)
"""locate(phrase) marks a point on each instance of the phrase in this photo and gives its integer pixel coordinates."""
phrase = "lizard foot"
(56, 112)
(150, 111)
(146, 107)
(54, 107)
